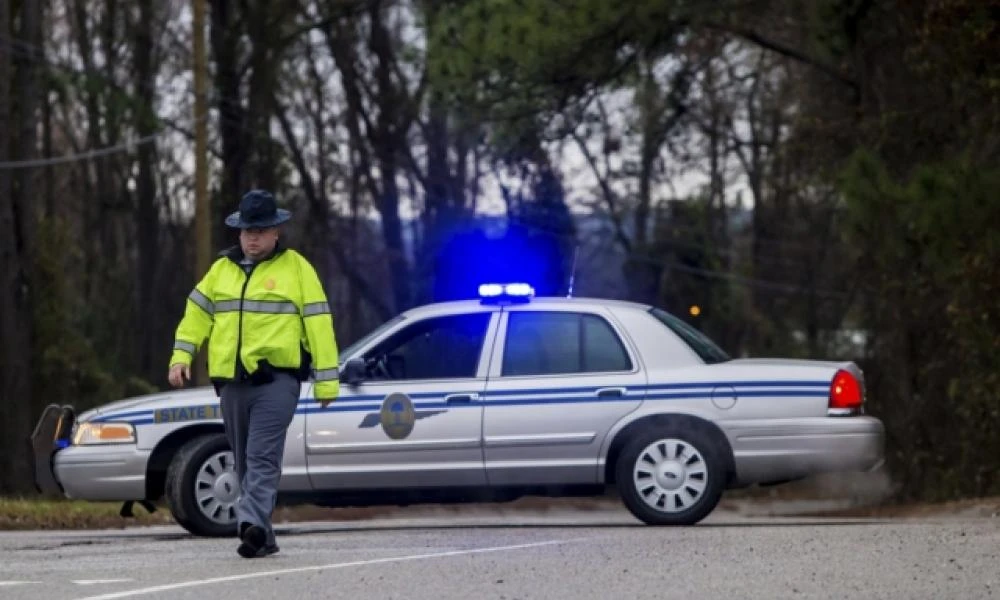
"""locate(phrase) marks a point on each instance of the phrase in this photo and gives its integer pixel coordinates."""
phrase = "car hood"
(202, 395)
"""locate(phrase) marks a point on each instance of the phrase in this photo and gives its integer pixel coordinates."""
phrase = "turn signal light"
(115, 432)
(846, 396)
(104, 433)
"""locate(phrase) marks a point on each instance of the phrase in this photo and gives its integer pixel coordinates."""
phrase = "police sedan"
(491, 400)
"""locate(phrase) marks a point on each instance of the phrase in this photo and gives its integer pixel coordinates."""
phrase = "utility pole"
(202, 212)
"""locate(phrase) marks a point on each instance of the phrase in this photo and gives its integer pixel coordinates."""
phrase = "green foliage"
(929, 255)
(68, 366)
(511, 57)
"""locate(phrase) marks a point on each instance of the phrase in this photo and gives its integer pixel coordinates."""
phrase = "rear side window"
(551, 343)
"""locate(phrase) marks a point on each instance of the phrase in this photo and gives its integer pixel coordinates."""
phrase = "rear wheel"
(202, 487)
(671, 474)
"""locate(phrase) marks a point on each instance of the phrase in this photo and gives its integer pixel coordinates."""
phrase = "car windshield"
(349, 351)
(698, 341)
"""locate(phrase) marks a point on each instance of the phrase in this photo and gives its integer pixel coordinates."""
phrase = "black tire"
(181, 486)
(687, 481)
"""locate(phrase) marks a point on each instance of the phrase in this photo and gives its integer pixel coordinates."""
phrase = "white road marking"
(99, 581)
(13, 583)
(358, 563)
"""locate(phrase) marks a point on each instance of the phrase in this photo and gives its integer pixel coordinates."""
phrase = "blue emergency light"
(505, 292)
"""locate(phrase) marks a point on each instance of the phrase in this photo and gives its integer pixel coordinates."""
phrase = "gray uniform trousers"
(256, 420)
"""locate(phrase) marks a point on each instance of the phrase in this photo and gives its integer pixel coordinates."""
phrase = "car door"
(416, 420)
(558, 382)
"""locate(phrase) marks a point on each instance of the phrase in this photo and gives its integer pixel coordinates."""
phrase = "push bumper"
(51, 434)
(787, 449)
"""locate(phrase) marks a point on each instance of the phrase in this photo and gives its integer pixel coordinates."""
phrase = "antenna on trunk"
(572, 273)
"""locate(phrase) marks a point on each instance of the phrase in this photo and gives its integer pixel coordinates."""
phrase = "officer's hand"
(178, 374)
(326, 392)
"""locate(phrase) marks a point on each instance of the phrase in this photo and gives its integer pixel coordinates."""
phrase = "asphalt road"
(507, 555)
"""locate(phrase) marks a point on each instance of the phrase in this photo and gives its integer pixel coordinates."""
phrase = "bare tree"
(16, 228)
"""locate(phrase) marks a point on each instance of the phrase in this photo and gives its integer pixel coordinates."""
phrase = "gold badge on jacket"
(269, 284)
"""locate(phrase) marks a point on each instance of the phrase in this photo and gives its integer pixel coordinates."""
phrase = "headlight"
(88, 434)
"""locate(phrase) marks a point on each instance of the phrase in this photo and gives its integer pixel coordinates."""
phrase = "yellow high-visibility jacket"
(275, 313)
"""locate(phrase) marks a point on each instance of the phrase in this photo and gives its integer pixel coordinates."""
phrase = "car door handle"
(611, 392)
(460, 398)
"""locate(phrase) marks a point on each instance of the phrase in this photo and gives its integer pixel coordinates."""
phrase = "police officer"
(267, 321)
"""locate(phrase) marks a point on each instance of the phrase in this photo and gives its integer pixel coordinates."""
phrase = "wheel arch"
(659, 420)
(163, 453)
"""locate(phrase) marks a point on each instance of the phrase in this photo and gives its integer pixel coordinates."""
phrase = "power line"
(48, 162)
(755, 282)
(128, 146)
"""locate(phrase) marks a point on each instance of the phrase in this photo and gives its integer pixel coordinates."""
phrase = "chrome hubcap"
(216, 489)
(670, 475)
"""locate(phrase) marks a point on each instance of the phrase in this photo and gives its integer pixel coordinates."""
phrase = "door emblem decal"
(397, 416)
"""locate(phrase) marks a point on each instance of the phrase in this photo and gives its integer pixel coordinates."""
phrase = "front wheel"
(672, 474)
(202, 487)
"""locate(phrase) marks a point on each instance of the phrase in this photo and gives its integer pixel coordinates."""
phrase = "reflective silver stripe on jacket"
(258, 306)
(202, 301)
(328, 374)
(185, 346)
(227, 306)
(315, 308)
(279, 308)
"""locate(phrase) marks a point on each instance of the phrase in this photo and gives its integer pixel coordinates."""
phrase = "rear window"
(696, 340)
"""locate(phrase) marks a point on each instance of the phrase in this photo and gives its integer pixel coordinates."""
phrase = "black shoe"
(268, 550)
(254, 540)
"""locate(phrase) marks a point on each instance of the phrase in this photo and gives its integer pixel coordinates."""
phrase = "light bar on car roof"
(510, 292)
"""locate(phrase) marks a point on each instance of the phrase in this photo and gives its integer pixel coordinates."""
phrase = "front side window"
(436, 348)
(552, 343)
(350, 350)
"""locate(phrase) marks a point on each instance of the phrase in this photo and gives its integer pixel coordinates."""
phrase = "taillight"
(846, 396)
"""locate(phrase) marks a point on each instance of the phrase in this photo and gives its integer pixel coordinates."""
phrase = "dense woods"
(800, 178)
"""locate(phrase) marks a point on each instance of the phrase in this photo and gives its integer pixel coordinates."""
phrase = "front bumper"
(788, 449)
(100, 472)
(111, 472)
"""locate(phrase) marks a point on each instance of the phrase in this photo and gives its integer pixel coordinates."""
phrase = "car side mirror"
(353, 372)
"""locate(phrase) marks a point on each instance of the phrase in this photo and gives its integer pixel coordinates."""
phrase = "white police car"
(487, 401)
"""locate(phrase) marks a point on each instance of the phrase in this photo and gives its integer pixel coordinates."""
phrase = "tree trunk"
(15, 299)
(386, 139)
(28, 102)
(264, 25)
(224, 38)
(94, 187)
(643, 275)
(441, 214)
(147, 323)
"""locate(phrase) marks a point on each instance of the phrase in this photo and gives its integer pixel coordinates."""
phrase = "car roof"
(444, 308)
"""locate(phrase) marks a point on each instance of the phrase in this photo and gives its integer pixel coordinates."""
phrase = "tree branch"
(755, 38)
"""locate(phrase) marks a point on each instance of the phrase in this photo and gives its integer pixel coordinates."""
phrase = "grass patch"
(19, 513)
(35, 513)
